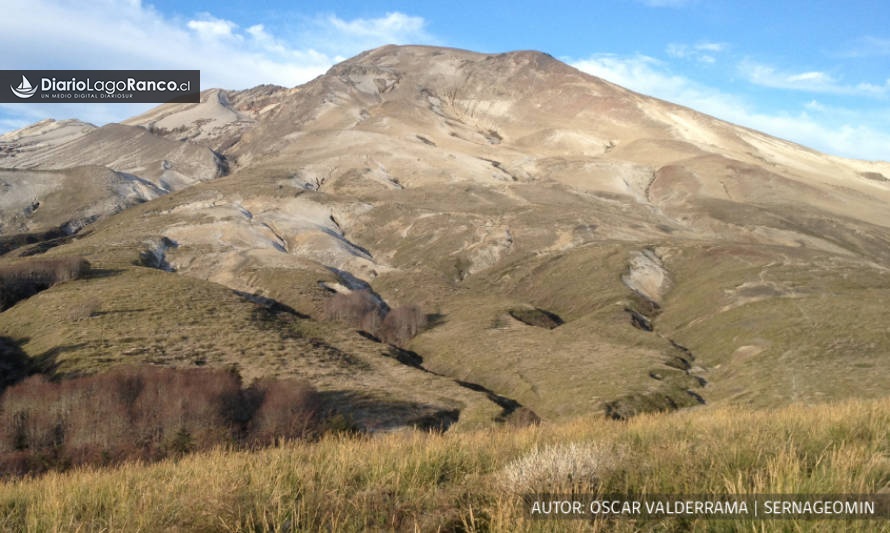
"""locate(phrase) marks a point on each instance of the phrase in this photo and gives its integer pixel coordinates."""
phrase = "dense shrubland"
(147, 413)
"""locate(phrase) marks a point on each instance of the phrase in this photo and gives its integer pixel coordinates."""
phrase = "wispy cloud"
(210, 28)
(345, 38)
(639, 72)
(394, 27)
(703, 52)
(668, 3)
(868, 46)
(841, 131)
(125, 34)
(813, 81)
(653, 77)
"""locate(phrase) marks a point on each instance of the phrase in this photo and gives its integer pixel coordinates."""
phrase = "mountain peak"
(420, 56)
(553, 219)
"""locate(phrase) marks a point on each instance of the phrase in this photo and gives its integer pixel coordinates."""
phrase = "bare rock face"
(474, 184)
(41, 135)
(218, 121)
(71, 174)
(647, 276)
(67, 199)
(167, 164)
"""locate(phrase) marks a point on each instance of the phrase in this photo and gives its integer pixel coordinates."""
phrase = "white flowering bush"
(559, 467)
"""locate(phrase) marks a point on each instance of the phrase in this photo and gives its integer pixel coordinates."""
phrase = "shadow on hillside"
(46, 363)
(434, 320)
(365, 412)
(99, 273)
(48, 239)
(269, 308)
(38, 242)
(15, 365)
(120, 312)
(406, 357)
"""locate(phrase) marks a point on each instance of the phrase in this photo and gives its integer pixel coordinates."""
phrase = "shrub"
(362, 310)
(402, 324)
(145, 412)
(55, 270)
(355, 308)
(289, 408)
(523, 417)
(560, 467)
(23, 280)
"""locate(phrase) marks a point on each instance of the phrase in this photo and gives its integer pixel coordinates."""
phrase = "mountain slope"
(68, 174)
(581, 248)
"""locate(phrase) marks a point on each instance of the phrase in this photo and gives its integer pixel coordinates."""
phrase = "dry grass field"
(475, 480)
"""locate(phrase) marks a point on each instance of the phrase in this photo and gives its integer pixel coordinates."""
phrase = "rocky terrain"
(575, 247)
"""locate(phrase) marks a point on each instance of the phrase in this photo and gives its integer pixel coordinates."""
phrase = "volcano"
(574, 247)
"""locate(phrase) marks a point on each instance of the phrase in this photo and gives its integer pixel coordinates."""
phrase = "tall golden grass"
(473, 481)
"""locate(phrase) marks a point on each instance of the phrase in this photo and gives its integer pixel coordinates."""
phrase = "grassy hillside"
(126, 314)
(473, 481)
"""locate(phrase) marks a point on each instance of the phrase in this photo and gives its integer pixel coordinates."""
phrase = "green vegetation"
(779, 325)
(474, 481)
(124, 314)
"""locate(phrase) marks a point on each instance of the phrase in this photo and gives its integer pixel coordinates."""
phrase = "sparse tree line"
(23, 280)
(148, 413)
(360, 309)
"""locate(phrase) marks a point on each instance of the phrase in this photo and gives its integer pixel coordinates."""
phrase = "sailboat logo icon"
(24, 90)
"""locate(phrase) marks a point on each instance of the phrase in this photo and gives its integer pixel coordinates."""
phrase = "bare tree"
(403, 324)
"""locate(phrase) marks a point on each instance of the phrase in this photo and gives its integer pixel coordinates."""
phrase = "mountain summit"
(576, 247)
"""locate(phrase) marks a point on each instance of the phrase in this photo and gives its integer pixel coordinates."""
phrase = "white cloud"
(703, 52)
(677, 50)
(868, 46)
(210, 27)
(814, 105)
(840, 131)
(811, 77)
(667, 3)
(808, 81)
(639, 73)
(711, 47)
(347, 37)
(126, 34)
(394, 27)
(856, 139)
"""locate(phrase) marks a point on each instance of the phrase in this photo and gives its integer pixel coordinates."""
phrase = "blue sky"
(814, 72)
